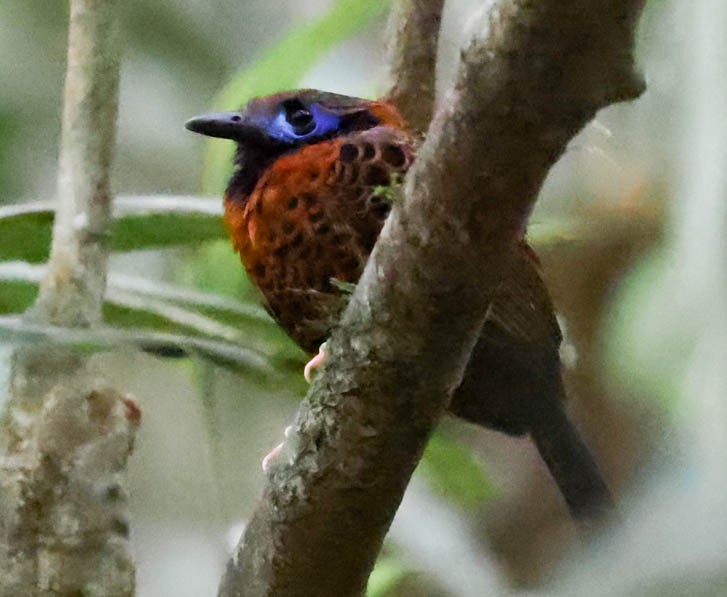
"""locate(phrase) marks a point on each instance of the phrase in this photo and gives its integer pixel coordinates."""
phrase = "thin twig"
(413, 34)
(72, 291)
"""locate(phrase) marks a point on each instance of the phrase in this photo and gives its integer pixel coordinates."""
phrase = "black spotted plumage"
(315, 216)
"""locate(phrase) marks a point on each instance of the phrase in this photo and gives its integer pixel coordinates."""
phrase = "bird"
(315, 177)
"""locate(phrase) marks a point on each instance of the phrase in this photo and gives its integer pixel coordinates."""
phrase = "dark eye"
(299, 117)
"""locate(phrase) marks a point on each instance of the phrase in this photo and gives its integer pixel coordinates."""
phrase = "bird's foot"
(315, 362)
(275, 452)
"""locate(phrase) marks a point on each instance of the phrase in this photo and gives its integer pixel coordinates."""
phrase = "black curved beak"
(225, 125)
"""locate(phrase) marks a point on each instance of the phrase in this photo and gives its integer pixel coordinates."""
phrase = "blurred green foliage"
(138, 223)
(217, 268)
(386, 576)
(25, 233)
(453, 472)
(16, 295)
(9, 133)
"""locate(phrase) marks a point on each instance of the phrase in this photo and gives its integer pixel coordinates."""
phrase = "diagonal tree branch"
(65, 437)
(522, 92)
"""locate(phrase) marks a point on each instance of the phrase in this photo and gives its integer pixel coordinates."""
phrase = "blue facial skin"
(279, 129)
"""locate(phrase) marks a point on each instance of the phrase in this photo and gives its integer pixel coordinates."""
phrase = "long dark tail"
(570, 462)
(515, 385)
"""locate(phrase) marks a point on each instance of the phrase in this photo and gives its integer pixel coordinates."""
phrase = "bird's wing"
(522, 307)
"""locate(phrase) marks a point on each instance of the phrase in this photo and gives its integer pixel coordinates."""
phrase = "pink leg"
(275, 452)
(315, 362)
(272, 455)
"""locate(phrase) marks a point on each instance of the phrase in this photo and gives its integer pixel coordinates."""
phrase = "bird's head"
(275, 125)
(292, 118)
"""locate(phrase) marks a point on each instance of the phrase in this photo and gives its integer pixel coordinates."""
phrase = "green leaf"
(134, 302)
(452, 471)
(217, 268)
(18, 330)
(203, 323)
(169, 308)
(25, 231)
(218, 306)
(282, 67)
(18, 286)
(642, 352)
(205, 314)
(144, 222)
(159, 221)
(155, 222)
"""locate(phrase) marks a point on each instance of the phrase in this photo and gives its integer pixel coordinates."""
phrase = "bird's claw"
(275, 452)
(315, 362)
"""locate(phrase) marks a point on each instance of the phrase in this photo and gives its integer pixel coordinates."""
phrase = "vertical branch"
(72, 291)
(65, 438)
(414, 33)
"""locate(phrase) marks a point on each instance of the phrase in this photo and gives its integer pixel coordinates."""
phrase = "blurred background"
(631, 231)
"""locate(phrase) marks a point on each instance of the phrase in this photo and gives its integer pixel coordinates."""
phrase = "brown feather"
(314, 216)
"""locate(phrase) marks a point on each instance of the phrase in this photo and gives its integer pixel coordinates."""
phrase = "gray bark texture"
(66, 436)
(537, 73)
